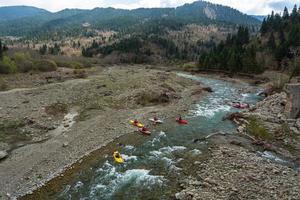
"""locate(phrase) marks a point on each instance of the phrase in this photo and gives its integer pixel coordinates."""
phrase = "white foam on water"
(134, 177)
(162, 134)
(128, 158)
(156, 153)
(78, 185)
(157, 139)
(209, 111)
(168, 161)
(107, 167)
(169, 149)
(129, 147)
(140, 177)
(271, 156)
(196, 152)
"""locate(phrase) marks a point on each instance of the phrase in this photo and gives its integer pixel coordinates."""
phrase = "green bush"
(57, 109)
(257, 129)
(279, 84)
(7, 66)
(80, 73)
(21, 57)
(189, 66)
(45, 65)
(25, 66)
(76, 65)
(70, 64)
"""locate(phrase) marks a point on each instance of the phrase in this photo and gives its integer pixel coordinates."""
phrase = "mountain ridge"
(103, 18)
(17, 12)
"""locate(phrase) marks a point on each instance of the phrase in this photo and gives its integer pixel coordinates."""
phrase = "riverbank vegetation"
(26, 60)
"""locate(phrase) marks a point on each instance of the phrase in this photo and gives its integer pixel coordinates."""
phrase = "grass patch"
(80, 73)
(257, 129)
(152, 98)
(57, 109)
(10, 131)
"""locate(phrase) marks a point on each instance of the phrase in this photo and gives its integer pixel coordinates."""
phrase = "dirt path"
(71, 119)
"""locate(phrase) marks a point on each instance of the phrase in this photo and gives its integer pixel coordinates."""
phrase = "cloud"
(247, 6)
(281, 4)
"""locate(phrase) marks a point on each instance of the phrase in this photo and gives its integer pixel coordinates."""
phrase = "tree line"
(275, 47)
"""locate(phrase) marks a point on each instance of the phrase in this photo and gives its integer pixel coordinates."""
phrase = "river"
(155, 164)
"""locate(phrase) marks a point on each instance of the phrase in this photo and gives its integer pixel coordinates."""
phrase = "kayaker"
(155, 118)
(117, 155)
(180, 119)
(144, 129)
(135, 121)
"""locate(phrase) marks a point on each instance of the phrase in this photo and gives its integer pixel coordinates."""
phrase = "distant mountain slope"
(259, 17)
(199, 12)
(17, 12)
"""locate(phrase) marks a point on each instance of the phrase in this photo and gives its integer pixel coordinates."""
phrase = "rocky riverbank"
(270, 126)
(47, 128)
(261, 161)
(232, 172)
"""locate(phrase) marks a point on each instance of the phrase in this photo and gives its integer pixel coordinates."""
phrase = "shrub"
(257, 129)
(57, 109)
(21, 57)
(45, 65)
(294, 68)
(80, 73)
(7, 66)
(189, 66)
(76, 65)
(25, 66)
(279, 84)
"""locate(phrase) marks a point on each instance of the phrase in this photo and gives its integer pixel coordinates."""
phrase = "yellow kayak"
(140, 125)
(118, 158)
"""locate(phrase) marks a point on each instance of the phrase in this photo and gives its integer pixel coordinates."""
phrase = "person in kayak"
(117, 155)
(155, 119)
(135, 121)
(180, 118)
(144, 129)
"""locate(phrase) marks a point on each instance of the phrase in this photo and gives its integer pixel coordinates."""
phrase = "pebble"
(3, 154)
(66, 144)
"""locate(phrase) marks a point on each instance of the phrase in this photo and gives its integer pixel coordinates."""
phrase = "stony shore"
(92, 112)
(235, 168)
(233, 172)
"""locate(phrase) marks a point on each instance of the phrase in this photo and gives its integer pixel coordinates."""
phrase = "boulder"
(298, 123)
(208, 89)
(293, 105)
(3, 154)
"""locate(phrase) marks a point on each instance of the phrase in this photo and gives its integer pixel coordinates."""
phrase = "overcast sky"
(246, 6)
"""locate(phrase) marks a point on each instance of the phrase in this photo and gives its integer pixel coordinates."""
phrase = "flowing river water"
(155, 164)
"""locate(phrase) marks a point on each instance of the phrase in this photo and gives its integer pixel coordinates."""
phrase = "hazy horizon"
(254, 7)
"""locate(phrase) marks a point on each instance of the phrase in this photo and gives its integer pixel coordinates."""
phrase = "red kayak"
(147, 132)
(181, 121)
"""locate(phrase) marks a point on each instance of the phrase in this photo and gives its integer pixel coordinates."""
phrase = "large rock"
(3, 154)
(293, 106)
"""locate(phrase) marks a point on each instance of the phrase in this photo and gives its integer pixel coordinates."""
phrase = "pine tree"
(264, 27)
(271, 42)
(294, 14)
(294, 36)
(43, 49)
(286, 14)
(1, 50)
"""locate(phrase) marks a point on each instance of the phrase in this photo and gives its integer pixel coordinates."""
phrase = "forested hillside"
(69, 22)
(276, 47)
(18, 12)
